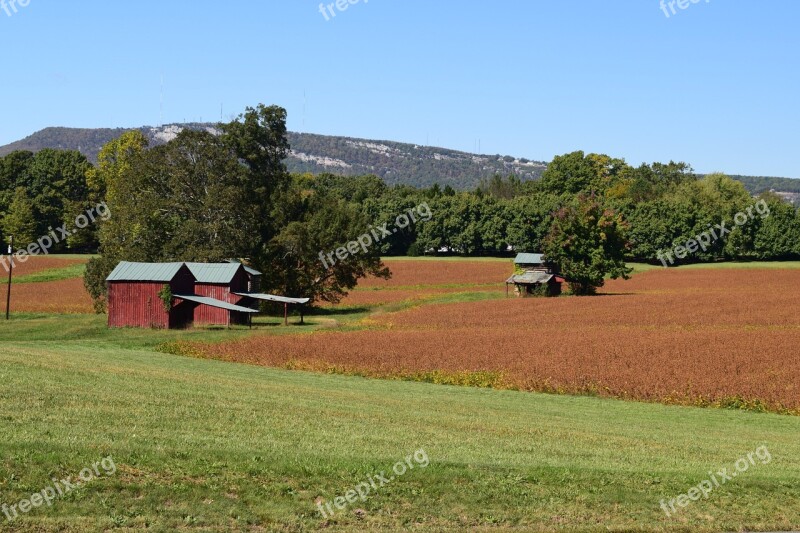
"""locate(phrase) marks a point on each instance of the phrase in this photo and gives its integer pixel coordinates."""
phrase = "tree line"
(212, 197)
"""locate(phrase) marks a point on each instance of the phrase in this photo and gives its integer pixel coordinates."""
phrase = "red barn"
(220, 281)
(137, 292)
(135, 295)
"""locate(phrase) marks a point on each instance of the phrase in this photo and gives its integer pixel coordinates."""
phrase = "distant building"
(533, 277)
(529, 261)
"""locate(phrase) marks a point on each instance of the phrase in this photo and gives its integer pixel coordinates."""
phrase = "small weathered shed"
(529, 261)
(533, 276)
(535, 282)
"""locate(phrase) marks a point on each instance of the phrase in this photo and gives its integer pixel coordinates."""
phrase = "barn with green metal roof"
(176, 295)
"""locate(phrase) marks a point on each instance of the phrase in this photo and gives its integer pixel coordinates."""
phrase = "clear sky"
(715, 84)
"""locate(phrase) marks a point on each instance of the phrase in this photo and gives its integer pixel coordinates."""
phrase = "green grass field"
(214, 446)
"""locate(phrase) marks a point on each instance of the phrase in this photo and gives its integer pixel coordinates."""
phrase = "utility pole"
(10, 270)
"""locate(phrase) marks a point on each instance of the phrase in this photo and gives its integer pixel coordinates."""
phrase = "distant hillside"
(759, 184)
(396, 163)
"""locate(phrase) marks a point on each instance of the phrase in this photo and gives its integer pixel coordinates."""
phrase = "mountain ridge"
(395, 162)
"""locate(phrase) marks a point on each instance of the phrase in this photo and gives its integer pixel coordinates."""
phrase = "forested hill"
(396, 163)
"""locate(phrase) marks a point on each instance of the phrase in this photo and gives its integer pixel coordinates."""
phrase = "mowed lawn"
(215, 446)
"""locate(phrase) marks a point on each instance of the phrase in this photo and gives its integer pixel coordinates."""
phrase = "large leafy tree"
(13, 173)
(529, 219)
(57, 185)
(587, 242)
(577, 172)
(112, 162)
(187, 200)
(303, 253)
(258, 139)
(777, 236)
(206, 197)
(54, 182)
(20, 219)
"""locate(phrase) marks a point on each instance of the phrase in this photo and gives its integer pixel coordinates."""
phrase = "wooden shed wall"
(136, 304)
(207, 315)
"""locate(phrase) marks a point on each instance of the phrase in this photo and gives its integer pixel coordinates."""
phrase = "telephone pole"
(10, 270)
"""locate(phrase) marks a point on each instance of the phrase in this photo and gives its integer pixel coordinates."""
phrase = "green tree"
(57, 187)
(498, 187)
(529, 219)
(577, 172)
(587, 243)
(14, 172)
(302, 264)
(777, 236)
(187, 200)
(207, 198)
(20, 220)
(258, 138)
(112, 162)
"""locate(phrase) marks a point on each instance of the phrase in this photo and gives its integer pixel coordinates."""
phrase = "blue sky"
(715, 84)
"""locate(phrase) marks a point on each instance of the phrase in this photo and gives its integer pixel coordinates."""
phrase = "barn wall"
(136, 304)
(207, 315)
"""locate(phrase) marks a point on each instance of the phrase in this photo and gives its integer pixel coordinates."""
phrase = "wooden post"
(286, 314)
(302, 311)
(10, 270)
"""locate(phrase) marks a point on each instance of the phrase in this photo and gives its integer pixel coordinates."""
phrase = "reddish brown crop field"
(36, 264)
(414, 280)
(413, 273)
(59, 297)
(700, 337)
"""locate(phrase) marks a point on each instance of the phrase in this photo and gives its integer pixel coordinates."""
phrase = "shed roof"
(273, 298)
(213, 302)
(531, 277)
(161, 272)
(214, 272)
(529, 259)
(251, 271)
